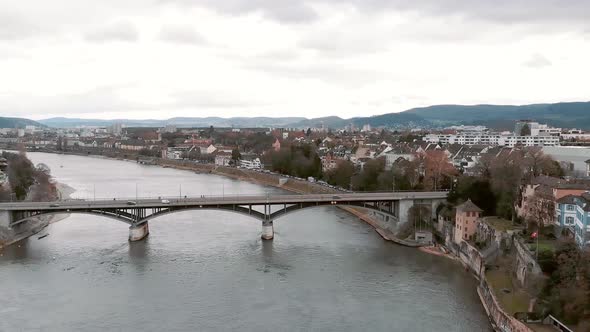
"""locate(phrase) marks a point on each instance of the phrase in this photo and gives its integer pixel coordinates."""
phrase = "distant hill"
(238, 122)
(392, 120)
(328, 122)
(18, 123)
(568, 115)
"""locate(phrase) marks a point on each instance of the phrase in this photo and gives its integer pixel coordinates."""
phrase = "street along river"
(210, 271)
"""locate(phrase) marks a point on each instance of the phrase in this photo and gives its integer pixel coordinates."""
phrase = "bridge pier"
(138, 232)
(268, 232)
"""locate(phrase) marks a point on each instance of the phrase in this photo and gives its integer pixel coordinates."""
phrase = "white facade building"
(491, 139)
(251, 164)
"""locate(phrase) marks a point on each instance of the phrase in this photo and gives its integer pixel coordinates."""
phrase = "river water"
(209, 271)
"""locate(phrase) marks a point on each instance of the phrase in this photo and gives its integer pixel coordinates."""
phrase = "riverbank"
(10, 236)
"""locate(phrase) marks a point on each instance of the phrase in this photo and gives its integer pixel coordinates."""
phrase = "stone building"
(466, 221)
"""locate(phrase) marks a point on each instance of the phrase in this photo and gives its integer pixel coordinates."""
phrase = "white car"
(165, 201)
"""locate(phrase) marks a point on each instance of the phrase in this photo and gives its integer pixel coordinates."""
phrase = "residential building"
(466, 219)
(328, 162)
(276, 145)
(170, 128)
(573, 212)
(392, 154)
(174, 154)
(533, 128)
(491, 139)
(223, 159)
(115, 129)
(3, 178)
(540, 196)
(251, 164)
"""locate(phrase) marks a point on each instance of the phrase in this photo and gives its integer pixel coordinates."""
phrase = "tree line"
(26, 181)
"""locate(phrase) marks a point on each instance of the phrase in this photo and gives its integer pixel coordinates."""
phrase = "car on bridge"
(131, 203)
(165, 201)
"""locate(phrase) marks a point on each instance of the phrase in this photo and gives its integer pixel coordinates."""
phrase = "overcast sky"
(165, 58)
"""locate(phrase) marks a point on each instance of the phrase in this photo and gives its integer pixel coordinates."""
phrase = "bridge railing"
(228, 197)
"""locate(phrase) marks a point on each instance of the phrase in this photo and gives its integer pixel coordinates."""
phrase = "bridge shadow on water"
(139, 254)
(267, 251)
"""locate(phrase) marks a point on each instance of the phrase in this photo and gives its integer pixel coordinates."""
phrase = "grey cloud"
(286, 11)
(537, 61)
(342, 42)
(119, 31)
(101, 99)
(14, 26)
(504, 11)
(110, 99)
(181, 34)
(292, 12)
(211, 99)
(507, 11)
(329, 73)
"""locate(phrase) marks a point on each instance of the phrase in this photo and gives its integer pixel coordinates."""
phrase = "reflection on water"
(209, 270)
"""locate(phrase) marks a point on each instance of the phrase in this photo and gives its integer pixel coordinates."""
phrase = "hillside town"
(516, 217)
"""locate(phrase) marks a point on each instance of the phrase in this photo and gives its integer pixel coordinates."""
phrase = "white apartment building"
(251, 164)
(491, 139)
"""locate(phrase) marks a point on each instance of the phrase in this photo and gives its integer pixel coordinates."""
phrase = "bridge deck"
(128, 203)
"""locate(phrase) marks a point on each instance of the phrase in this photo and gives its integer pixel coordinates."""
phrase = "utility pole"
(136, 195)
(180, 191)
(537, 246)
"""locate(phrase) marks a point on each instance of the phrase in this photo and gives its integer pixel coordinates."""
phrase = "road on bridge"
(162, 202)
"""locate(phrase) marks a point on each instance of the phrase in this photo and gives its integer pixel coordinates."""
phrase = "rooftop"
(469, 206)
(499, 224)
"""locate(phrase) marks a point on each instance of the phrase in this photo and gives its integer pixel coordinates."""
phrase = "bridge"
(392, 206)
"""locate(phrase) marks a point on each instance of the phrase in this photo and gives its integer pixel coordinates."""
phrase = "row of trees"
(299, 160)
(566, 293)
(24, 179)
(495, 187)
(431, 170)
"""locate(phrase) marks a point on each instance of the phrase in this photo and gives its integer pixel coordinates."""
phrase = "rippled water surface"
(208, 270)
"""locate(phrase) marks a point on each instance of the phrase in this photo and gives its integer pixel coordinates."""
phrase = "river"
(210, 271)
(575, 155)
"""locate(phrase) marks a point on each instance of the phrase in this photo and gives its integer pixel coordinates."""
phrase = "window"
(569, 207)
(569, 220)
